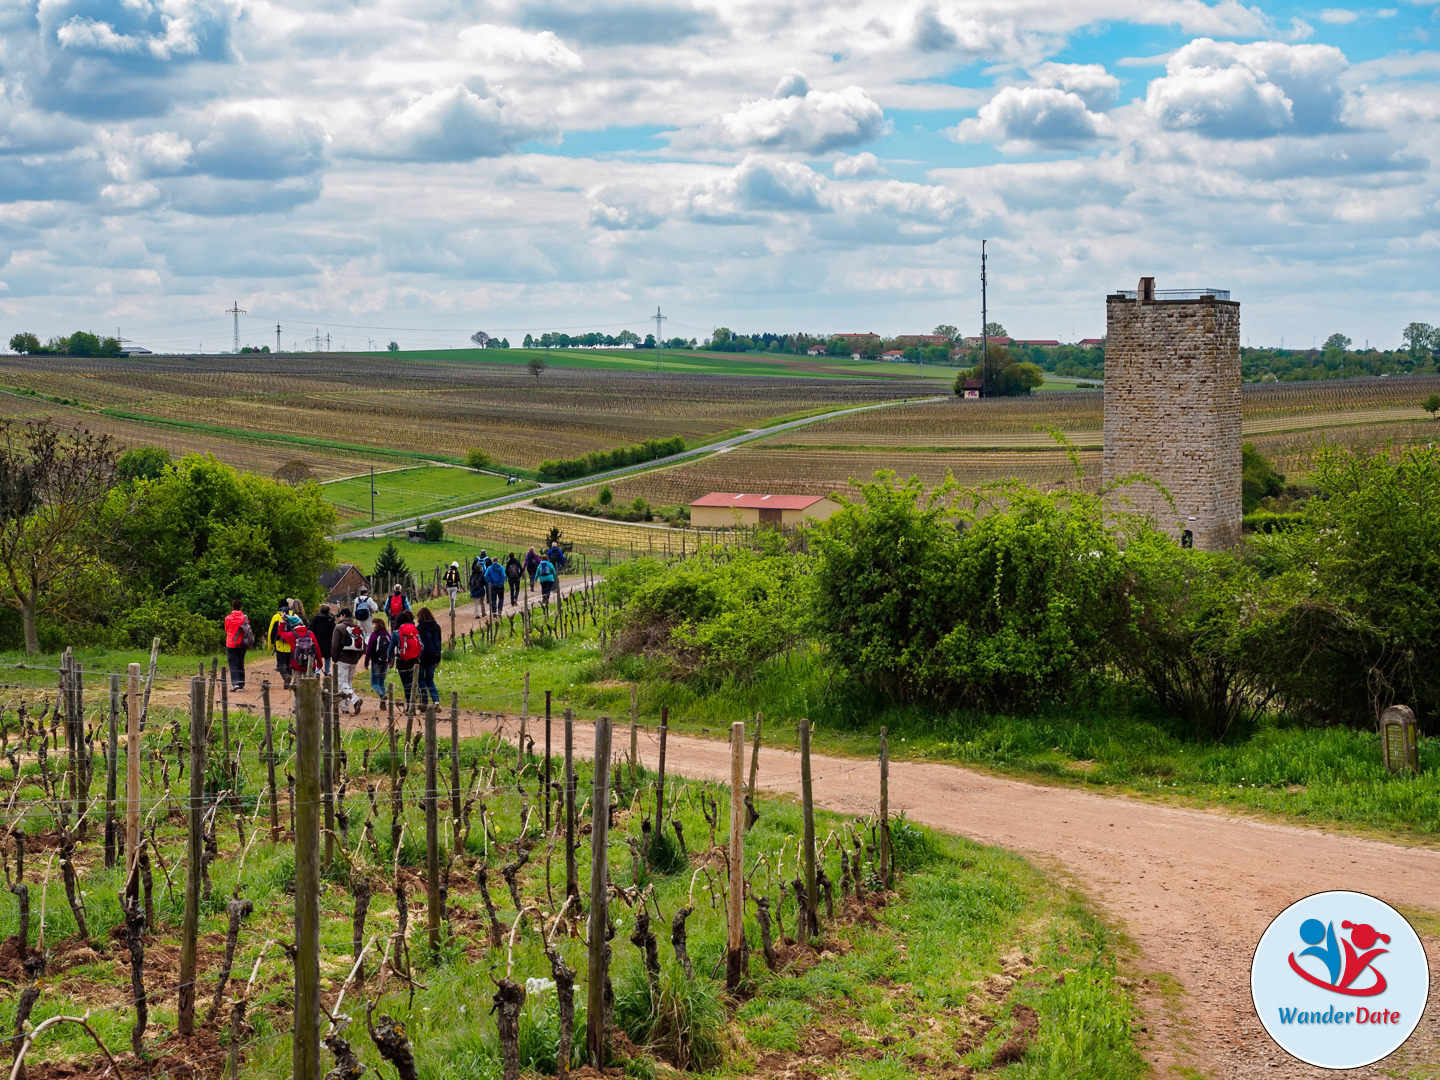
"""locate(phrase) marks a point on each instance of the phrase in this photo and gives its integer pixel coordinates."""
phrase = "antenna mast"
(236, 310)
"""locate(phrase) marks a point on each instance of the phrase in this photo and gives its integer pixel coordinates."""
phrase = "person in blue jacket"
(495, 584)
(545, 575)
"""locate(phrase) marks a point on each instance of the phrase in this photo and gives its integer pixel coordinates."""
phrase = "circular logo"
(1339, 980)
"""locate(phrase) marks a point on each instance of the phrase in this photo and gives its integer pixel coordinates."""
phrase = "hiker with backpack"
(532, 565)
(396, 605)
(556, 555)
(452, 583)
(405, 649)
(239, 636)
(304, 649)
(364, 611)
(347, 648)
(477, 583)
(545, 575)
(323, 627)
(277, 643)
(432, 644)
(513, 573)
(495, 585)
(377, 656)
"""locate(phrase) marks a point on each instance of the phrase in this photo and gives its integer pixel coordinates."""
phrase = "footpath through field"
(611, 474)
(1193, 889)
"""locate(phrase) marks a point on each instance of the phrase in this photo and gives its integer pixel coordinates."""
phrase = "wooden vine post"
(547, 756)
(660, 776)
(132, 782)
(327, 702)
(194, 853)
(735, 896)
(885, 856)
(305, 1061)
(751, 814)
(572, 887)
(112, 761)
(597, 1037)
(270, 760)
(807, 801)
(634, 737)
(455, 770)
(432, 833)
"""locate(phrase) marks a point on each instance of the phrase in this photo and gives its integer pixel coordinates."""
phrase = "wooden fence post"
(572, 887)
(735, 897)
(132, 782)
(270, 760)
(597, 1036)
(547, 759)
(807, 799)
(112, 764)
(432, 838)
(634, 737)
(305, 1033)
(327, 760)
(660, 778)
(455, 769)
(884, 809)
(193, 855)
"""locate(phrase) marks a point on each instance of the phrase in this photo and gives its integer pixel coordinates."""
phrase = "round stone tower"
(1172, 410)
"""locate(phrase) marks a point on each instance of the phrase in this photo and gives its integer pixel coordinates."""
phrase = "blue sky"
(384, 169)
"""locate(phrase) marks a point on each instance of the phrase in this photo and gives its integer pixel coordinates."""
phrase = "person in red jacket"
(239, 636)
(304, 649)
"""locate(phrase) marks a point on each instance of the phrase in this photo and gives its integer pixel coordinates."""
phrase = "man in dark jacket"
(513, 573)
(323, 627)
(347, 647)
(495, 582)
(477, 583)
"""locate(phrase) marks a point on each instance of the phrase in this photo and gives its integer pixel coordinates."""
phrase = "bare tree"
(536, 363)
(481, 338)
(294, 472)
(52, 484)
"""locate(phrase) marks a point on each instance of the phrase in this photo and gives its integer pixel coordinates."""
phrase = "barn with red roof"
(724, 509)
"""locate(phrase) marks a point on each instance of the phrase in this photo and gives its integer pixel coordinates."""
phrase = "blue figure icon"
(1312, 932)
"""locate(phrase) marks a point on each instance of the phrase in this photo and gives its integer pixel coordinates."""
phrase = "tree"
(25, 342)
(1258, 478)
(51, 488)
(394, 346)
(1337, 341)
(649, 342)
(481, 338)
(390, 567)
(145, 462)
(434, 530)
(478, 459)
(294, 472)
(627, 337)
(1419, 340)
(606, 496)
(536, 363)
(995, 330)
(529, 342)
(948, 332)
(1432, 405)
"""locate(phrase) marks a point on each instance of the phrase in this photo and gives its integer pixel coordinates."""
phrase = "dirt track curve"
(1194, 890)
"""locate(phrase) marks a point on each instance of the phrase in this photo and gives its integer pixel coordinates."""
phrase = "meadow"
(427, 491)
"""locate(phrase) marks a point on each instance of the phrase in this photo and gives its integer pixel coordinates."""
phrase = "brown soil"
(1193, 889)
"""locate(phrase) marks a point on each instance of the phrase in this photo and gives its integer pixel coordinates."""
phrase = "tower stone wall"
(1172, 411)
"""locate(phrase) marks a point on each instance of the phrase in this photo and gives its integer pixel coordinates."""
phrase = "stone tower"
(1172, 409)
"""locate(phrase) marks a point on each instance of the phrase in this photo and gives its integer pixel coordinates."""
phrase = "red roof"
(1092, 341)
(772, 502)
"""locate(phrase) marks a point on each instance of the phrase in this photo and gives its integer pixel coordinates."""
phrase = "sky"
(384, 170)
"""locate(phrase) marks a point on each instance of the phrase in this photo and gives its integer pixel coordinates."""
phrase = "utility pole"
(327, 341)
(659, 323)
(984, 328)
(277, 337)
(236, 311)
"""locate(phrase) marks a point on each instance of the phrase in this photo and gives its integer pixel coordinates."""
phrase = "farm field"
(524, 527)
(421, 492)
(373, 409)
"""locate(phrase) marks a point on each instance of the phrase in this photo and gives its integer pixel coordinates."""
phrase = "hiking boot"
(358, 703)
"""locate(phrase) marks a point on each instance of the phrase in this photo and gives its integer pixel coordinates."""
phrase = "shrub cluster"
(600, 460)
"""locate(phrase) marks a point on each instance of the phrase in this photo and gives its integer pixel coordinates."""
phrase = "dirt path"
(1194, 890)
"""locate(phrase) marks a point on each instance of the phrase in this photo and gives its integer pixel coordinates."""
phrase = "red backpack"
(395, 605)
(303, 654)
(409, 642)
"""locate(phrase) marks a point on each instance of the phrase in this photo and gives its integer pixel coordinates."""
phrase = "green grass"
(916, 977)
(420, 492)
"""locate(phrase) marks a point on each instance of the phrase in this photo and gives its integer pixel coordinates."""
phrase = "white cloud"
(488, 41)
(453, 124)
(861, 165)
(1091, 83)
(259, 141)
(1338, 16)
(1027, 118)
(797, 118)
(1226, 90)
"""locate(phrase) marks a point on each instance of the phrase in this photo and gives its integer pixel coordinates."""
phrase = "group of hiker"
(382, 634)
(489, 578)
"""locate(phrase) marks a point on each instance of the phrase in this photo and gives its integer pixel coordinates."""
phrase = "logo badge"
(1339, 980)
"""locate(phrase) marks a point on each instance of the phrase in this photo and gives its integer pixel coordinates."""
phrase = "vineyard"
(254, 888)
(523, 527)
(416, 408)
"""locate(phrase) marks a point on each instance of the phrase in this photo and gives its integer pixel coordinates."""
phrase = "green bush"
(606, 496)
(434, 530)
(478, 459)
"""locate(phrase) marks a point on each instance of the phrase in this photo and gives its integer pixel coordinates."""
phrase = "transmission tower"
(986, 386)
(236, 310)
(659, 321)
(277, 337)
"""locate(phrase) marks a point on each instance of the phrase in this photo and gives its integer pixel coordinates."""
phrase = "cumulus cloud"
(457, 123)
(595, 22)
(863, 165)
(1091, 83)
(262, 141)
(1024, 118)
(488, 41)
(1226, 90)
(796, 118)
(622, 208)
